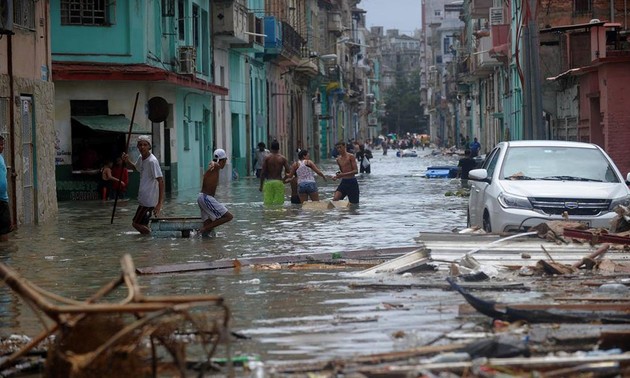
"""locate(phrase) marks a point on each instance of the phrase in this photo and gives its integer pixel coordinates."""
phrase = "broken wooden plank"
(525, 363)
(440, 285)
(400, 264)
(596, 238)
(382, 253)
(615, 339)
(547, 313)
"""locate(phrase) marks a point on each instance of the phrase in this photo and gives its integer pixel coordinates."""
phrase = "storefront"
(96, 140)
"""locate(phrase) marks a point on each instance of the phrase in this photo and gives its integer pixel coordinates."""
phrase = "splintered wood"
(114, 339)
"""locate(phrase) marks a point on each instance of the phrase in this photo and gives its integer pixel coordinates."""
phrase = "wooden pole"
(133, 116)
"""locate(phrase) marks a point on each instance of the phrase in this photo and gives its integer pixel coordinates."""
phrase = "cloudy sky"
(403, 15)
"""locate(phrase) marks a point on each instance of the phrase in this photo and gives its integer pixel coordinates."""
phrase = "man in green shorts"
(272, 177)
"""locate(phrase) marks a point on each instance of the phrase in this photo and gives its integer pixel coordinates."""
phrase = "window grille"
(581, 6)
(24, 14)
(84, 12)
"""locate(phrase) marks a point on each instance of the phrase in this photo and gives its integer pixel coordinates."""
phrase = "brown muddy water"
(289, 315)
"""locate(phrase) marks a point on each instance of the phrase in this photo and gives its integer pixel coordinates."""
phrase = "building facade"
(158, 50)
(27, 110)
(542, 70)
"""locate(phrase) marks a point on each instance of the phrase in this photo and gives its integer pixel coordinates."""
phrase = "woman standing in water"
(303, 169)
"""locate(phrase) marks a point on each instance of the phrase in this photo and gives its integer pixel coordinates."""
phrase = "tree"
(403, 112)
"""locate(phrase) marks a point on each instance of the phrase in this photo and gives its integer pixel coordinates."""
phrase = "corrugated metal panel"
(452, 247)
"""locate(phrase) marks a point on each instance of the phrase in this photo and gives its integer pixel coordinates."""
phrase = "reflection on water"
(81, 251)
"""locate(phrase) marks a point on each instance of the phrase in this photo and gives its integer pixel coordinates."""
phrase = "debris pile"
(138, 336)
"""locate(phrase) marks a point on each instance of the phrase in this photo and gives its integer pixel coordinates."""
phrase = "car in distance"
(523, 183)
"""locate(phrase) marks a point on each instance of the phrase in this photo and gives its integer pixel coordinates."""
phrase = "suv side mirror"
(628, 179)
(478, 175)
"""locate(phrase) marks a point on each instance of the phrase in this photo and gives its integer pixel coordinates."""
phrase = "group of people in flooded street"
(276, 172)
(271, 167)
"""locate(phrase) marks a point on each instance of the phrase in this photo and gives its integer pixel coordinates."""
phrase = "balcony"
(500, 44)
(335, 24)
(273, 36)
(230, 21)
(292, 42)
(332, 73)
(480, 8)
(483, 64)
(256, 34)
(282, 42)
(309, 65)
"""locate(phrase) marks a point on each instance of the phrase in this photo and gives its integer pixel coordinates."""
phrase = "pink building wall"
(614, 84)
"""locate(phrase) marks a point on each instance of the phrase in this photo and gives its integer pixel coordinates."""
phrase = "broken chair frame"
(146, 310)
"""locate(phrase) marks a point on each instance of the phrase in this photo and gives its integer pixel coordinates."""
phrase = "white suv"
(524, 183)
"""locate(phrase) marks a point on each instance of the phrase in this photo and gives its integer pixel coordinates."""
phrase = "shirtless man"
(213, 213)
(271, 176)
(347, 171)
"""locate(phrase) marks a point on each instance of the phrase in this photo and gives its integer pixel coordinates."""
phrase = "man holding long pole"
(151, 191)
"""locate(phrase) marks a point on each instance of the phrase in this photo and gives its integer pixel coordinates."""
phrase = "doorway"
(28, 157)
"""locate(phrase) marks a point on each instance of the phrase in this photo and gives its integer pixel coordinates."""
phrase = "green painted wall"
(121, 42)
(194, 136)
(238, 107)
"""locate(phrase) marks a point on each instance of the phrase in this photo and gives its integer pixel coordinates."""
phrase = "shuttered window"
(581, 6)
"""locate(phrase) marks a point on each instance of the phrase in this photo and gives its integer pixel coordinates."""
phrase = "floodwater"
(289, 315)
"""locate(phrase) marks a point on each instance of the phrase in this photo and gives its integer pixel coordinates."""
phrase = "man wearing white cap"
(151, 191)
(213, 213)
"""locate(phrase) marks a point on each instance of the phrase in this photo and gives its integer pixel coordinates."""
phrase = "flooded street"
(289, 315)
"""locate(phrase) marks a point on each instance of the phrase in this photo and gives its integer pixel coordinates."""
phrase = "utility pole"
(533, 127)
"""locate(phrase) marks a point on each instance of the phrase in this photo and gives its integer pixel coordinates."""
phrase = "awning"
(115, 123)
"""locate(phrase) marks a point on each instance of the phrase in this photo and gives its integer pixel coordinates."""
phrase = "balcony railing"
(291, 41)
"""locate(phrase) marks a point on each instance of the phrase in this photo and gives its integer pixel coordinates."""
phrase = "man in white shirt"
(151, 191)
(261, 154)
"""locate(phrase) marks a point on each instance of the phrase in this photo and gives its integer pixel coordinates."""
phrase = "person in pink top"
(303, 169)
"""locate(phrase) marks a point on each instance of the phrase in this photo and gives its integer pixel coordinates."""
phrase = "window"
(186, 136)
(84, 12)
(181, 20)
(438, 13)
(24, 14)
(195, 26)
(581, 6)
(168, 8)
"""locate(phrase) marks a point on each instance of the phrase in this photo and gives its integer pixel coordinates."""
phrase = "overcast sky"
(403, 15)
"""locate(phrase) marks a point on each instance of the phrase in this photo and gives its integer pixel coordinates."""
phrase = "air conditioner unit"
(187, 60)
(496, 16)
(334, 22)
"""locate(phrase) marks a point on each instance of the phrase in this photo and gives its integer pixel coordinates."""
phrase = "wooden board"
(369, 254)
(325, 205)
(400, 264)
(176, 224)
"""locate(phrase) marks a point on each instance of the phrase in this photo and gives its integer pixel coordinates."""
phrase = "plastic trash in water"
(449, 357)
(613, 288)
(254, 281)
(257, 369)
